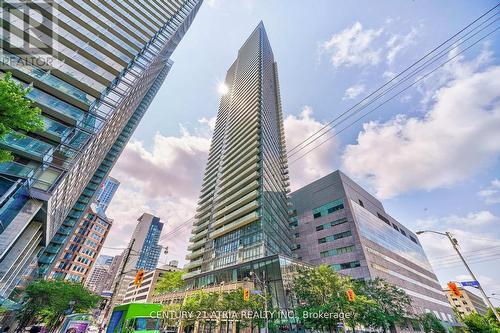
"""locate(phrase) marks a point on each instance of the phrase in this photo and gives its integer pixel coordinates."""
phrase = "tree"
(321, 290)
(17, 113)
(169, 282)
(476, 323)
(50, 300)
(431, 324)
(392, 303)
(492, 320)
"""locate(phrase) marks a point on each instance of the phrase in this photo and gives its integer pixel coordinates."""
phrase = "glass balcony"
(45, 77)
(16, 169)
(13, 203)
(237, 213)
(193, 264)
(27, 146)
(195, 254)
(56, 129)
(230, 195)
(196, 245)
(243, 200)
(198, 235)
(242, 221)
(190, 274)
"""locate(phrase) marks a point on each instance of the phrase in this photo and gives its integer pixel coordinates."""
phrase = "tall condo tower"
(95, 67)
(242, 211)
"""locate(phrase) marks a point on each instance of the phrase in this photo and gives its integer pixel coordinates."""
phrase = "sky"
(431, 154)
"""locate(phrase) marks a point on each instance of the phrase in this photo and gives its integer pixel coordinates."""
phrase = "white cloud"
(457, 137)
(491, 194)
(210, 122)
(357, 46)
(353, 46)
(398, 43)
(316, 164)
(354, 91)
(475, 219)
(164, 180)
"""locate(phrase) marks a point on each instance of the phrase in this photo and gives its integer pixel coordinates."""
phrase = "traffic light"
(246, 294)
(139, 277)
(350, 295)
(454, 289)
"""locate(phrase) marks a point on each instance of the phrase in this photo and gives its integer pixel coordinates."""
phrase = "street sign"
(470, 284)
(256, 292)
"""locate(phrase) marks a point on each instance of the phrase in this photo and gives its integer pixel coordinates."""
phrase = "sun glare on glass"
(223, 88)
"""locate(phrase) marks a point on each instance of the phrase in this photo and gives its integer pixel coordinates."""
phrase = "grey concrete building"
(337, 223)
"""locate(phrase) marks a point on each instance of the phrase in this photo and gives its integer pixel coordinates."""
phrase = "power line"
(387, 100)
(397, 83)
(394, 78)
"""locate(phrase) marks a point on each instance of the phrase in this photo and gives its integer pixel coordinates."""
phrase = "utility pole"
(263, 282)
(454, 243)
(125, 261)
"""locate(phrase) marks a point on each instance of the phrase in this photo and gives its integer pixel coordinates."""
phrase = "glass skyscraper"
(106, 192)
(242, 211)
(95, 67)
(143, 253)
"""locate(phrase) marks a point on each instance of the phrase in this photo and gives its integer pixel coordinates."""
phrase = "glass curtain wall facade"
(242, 211)
(336, 222)
(94, 67)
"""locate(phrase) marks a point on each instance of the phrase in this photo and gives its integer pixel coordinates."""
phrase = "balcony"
(201, 227)
(198, 235)
(195, 254)
(237, 213)
(191, 274)
(242, 201)
(16, 169)
(193, 264)
(27, 146)
(197, 245)
(247, 219)
(230, 195)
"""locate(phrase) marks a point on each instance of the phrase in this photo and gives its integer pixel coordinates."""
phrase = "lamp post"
(454, 243)
(263, 283)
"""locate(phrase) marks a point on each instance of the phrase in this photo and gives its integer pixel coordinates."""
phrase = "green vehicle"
(135, 317)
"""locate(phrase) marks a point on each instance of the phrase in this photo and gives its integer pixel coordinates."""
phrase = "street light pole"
(265, 295)
(454, 243)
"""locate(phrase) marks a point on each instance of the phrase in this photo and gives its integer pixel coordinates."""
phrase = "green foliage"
(320, 290)
(169, 282)
(431, 324)
(378, 304)
(17, 113)
(476, 323)
(491, 319)
(391, 304)
(208, 306)
(47, 301)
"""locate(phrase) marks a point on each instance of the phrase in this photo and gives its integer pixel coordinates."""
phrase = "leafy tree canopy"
(170, 281)
(431, 324)
(49, 300)
(17, 113)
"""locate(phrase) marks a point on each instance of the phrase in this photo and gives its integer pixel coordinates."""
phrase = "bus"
(135, 317)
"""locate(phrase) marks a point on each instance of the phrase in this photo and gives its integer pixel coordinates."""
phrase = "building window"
(383, 218)
(328, 208)
(395, 227)
(346, 265)
(335, 237)
(413, 240)
(338, 251)
(361, 203)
